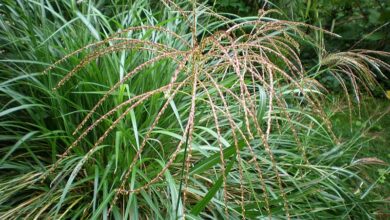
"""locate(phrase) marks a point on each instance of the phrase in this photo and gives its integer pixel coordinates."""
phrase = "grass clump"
(120, 112)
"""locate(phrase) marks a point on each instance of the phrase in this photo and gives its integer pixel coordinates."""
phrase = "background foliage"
(361, 24)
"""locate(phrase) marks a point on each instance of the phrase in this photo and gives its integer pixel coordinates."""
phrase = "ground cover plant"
(168, 110)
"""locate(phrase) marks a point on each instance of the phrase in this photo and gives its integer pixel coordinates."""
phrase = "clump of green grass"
(120, 112)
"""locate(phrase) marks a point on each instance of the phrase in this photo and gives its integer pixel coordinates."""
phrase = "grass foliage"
(125, 111)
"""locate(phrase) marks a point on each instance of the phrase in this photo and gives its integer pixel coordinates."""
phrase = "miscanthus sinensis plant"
(122, 112)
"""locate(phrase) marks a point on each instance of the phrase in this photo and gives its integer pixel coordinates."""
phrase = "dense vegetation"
(164, 110)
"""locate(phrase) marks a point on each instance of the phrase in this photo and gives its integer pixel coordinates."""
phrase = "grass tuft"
(122, 112)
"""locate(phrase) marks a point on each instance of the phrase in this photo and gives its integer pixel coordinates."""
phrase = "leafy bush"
(361, 24)
(175, 114)
(349, 19)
